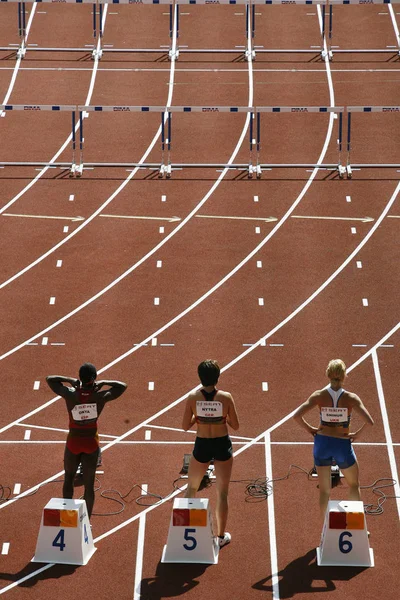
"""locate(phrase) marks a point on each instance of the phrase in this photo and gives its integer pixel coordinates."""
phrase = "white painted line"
(265, 386)
(59, 263)
(57, 344)
(27, 435)
(17, 489)
(258, 229)
(156, 301)
(359, 264)
(271, 521)
(5, 548)
(263, 343)
(66, 228)
(387, 346)
(147, 434)
(161, 230)
(163, 198)
(353, 230)
(168, 345)
(159, 264)
(261, 301)
(151, 385)
(71, 198)
(359, 345)
(139, 552)
(154, 342)
(255, 198)
(259, 264)
(277, 345)
(386, 427)
(365, 301)
(36, 385)
(52, 300)
(45, 341)
(348, 198)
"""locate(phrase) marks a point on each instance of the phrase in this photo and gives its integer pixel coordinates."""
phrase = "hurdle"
(97, 49)
(366, 109)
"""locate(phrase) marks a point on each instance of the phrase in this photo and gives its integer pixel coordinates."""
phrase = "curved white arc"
(158, 246)
(18, 63)
(57, 154)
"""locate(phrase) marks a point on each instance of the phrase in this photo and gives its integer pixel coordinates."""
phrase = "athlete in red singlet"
(85, 403)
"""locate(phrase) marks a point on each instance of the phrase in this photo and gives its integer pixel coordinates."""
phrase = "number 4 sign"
(344, 539)
(190, 536)
(65, 535)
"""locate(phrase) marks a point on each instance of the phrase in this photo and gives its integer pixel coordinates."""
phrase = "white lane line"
(71, 198)
(147, 435)
(348, 198)
(140, 549)
(52, 300)
(386, 426)
(151, 386)
(5, 547)
(154, 342)
(238, 437)
(394, 23)
(255, 198)
(365, 301)
(36, 385)
(57, 429)
(258, 230)
(271, 521)
(264, 386)
(66, 228)
(27, 435)
(259, 264)
(163, 198)
(59, 263)
(159, 264)
(353, 230)
(359, 345)
(261, 302)
(156, 301)
(161, 230)
(45, 341)
(18, 63)
(17, 489)
(359, 264)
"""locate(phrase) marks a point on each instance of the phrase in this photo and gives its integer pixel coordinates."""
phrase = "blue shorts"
(328, 449)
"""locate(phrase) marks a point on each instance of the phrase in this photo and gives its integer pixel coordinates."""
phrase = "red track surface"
(300, 256)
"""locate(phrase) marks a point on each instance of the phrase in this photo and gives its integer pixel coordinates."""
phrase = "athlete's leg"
(195, 475)
(223, 470)
(89, 464)
(324, 485)
(71, 462)
(351, 474)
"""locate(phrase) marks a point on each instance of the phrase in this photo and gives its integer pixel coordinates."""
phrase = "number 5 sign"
(65, 536)
(190, 536)
(344, 540)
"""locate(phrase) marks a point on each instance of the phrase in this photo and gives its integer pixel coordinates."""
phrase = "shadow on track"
(54, 572)
(171, 580)
(304, 576)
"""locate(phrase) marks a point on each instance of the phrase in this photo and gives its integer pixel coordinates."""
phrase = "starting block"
(65, 536)
(344, 539)
(190, 536)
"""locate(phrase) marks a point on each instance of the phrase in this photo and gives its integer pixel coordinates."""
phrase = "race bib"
(334, 415)
(208, 409)
(84, 412)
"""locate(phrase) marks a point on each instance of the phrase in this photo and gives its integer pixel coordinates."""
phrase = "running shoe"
(223, 541)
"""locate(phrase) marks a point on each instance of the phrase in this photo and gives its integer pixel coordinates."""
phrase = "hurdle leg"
(348, 166)
(341, 168)
(73, 164)
(330, 53)
(97, 52)
(249, 53)
(21, 30)
(162, 166)
(79, 168)
(258, 167)
(171, 53)
(169, 167)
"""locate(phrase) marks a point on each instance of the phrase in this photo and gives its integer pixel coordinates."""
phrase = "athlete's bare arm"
(188, 416)
(359, 408)
(117, 388)
(305, 408)
(55, 383)
(232, 418)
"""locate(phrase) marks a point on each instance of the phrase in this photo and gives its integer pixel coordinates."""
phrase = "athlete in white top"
(332, 438)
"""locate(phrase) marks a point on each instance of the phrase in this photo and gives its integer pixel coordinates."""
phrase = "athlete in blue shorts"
(212, 410)
(332, 439)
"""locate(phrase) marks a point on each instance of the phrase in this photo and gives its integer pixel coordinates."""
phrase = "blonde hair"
(336, 367)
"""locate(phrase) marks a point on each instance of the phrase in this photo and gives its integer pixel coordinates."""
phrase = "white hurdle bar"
(367, 109)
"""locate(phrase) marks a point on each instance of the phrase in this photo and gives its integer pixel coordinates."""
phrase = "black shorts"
(207, 449)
